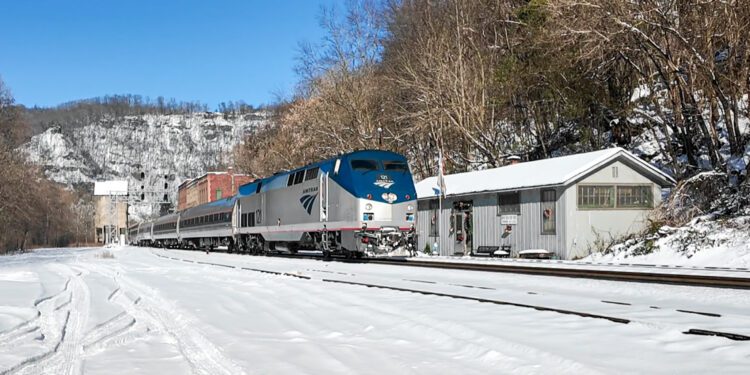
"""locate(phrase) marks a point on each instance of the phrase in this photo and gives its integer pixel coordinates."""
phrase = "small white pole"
(439, 220)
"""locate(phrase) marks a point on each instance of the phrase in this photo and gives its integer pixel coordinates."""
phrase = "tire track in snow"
(66, 354)
(19, 329)
(161, 316)
(59, 327)
(453, 339)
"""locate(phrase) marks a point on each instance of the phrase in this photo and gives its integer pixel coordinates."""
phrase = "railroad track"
(711, 281)
(714, 281)
(582, 314)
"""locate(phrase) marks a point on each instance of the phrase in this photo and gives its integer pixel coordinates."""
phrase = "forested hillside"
(54, 155)
(485, 79)
(33, 210)
(155, 148)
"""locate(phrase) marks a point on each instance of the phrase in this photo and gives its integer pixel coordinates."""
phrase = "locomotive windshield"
(365, 165)
(396, 166)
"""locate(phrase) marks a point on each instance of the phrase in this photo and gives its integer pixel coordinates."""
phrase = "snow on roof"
(546, 172)
(111, 188)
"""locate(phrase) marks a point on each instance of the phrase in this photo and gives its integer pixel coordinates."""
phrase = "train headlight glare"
(384, 196)
(409, 208)
(368, 207)
(392, 197)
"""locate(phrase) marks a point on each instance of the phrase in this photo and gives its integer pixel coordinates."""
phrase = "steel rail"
(713, 281)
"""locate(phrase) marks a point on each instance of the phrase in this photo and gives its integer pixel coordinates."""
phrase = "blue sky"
(210, 51)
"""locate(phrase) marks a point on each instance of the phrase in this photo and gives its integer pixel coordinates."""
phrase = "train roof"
(166, 219)
(326, 165)
(221, 205)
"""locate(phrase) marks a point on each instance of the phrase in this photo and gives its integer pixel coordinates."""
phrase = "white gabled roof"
(547, 172)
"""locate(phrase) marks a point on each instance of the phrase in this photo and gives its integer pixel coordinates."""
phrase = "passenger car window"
(396, 166)
(365, 165)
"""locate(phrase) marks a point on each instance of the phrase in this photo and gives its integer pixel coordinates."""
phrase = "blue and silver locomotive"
(360, 203)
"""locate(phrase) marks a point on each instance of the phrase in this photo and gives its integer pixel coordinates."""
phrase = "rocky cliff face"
(155, 153)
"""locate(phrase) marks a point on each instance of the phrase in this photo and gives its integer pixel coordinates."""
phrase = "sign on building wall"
(509, 219)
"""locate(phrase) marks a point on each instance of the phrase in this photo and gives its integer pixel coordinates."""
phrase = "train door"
(236, 216)
(323, 196)
(462, 231)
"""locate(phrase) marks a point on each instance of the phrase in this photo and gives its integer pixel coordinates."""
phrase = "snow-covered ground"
(157, 311)
(704, 242)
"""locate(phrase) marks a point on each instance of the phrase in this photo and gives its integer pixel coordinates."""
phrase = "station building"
(210, 187)
(566, 205)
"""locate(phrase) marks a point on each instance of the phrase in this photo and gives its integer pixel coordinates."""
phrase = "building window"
(610, 196)
(218, 194)
(508, 204)
(596, 196)
(635, 196)
(548, 199)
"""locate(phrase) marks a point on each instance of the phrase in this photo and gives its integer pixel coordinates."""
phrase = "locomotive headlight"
(409, 208)
(389, 197)
(368, 207)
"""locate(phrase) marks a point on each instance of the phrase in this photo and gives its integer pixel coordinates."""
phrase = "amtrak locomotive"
(360, 203)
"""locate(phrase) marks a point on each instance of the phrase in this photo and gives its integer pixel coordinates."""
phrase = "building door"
(462, 231)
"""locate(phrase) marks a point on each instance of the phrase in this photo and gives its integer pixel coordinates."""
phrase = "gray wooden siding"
(487, 227)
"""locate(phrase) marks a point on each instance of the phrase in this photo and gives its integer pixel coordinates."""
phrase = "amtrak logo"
(384, 181)
(307, 201)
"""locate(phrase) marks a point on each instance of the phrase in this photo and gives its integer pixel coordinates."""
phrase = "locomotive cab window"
(298, 177)
(396, 166)
(311, 174)
(365, 165)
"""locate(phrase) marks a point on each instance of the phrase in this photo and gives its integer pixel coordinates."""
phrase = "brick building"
(210, 187)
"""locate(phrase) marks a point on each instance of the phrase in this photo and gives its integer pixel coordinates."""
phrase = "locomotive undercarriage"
(387, 241)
